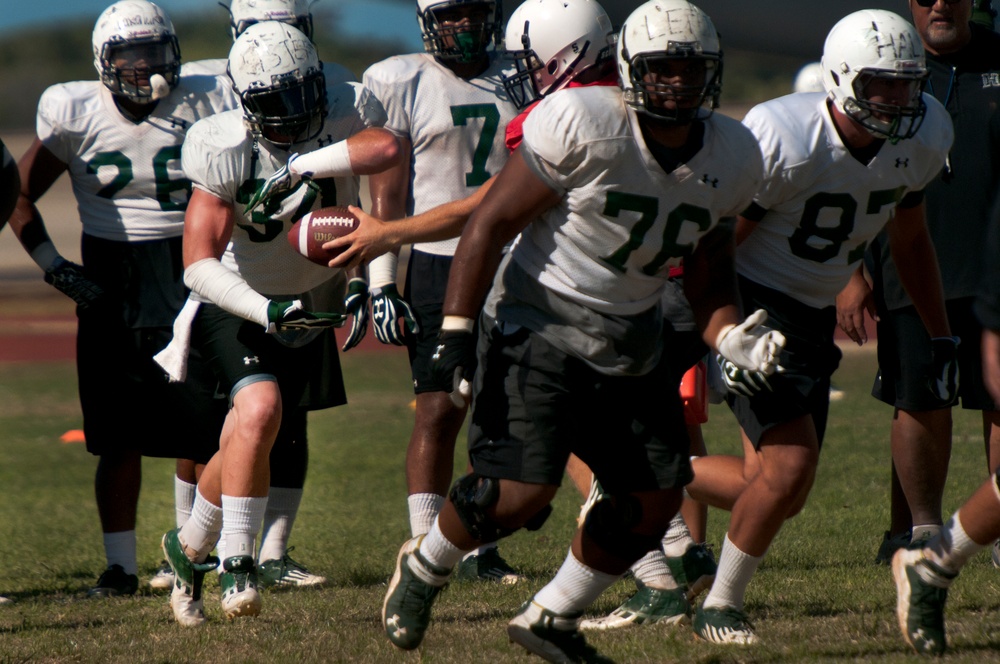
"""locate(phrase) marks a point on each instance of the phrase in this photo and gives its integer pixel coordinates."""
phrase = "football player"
(259, 317)
(120, 141)
(449, 109)
(290, 451)
(839, 167)
(924, 574)
(961, 55)
(608, 190)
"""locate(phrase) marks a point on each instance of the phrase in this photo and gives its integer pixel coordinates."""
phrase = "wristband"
(382, 270)
(333, 161)
(45, 255)
(457, 324)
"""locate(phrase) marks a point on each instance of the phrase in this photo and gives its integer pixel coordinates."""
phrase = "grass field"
(817, 597)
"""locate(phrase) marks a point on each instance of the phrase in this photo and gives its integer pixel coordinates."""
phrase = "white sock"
(924, 532)
(574, 587)
(953, 548)
(201, 530)
(242, 517)
(119, 549)
(677, 540)
(732, 578)
(282, 507)
(481, 550)
(438, 549)
(651, 570)
(424, 508)
(183, 500)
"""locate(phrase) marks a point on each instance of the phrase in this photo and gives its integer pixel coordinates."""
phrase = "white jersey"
(219, 157)
(126, 176)
(456, 128)
(607, 247)
(823, 205)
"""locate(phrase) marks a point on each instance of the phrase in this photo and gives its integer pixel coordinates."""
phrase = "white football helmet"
(653, 40)
(464, 43)
(244, 13)
(136, 51)
(553, 41)
(809, 78)
(278, 76)
(867, 51)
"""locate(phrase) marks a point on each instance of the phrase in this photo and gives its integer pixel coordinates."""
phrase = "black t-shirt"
(960, 200)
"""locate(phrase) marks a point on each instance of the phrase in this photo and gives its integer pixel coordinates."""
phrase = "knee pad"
(472, 497)
(610, 523)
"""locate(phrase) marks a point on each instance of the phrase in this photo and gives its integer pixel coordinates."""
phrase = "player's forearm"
(369, 151)
(917, 266)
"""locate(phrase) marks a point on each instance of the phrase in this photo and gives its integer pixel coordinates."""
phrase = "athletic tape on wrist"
(220, 285)
(333, 161)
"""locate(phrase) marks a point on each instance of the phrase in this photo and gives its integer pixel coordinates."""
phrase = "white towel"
(174, 358)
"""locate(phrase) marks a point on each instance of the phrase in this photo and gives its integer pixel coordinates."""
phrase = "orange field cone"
(73, 436)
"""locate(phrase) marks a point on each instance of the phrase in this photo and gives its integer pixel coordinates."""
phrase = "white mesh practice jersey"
(456, 128)
(126, 177)
(219, 157)
(623, 222)
(823, 205)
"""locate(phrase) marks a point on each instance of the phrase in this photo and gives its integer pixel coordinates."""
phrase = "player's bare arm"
(208, 226)
(852, 303)
(710, 282)
(38, 169)
(915, 258)
(375, 237)
(515, 199)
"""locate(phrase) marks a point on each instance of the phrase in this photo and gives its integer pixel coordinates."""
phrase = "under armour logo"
(326, 140)
(712, 181)
(393, 625)
(177, 123)
(251, 360)
(991, 79)
(437, 353)
(902, 163)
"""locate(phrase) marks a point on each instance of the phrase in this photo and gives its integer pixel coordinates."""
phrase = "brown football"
(308, 235)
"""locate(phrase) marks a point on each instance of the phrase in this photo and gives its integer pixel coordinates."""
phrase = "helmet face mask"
(670, 62)
(874, 69)
(279, 79)
(244, 13)
(559, 40)
(134, 41)
(459, 30)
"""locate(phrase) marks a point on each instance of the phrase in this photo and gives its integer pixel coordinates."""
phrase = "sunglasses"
(931, 3)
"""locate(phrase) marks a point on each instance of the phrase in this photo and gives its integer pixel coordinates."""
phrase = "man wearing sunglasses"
(964, 63)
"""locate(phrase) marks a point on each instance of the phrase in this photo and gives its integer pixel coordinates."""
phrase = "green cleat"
(185, 596)
(727, 626)
(645, 607)
(488, 566)
(553, 637)
(238, 583)
(921, 592)
(286, 573)
(694, 571)
(406, 612)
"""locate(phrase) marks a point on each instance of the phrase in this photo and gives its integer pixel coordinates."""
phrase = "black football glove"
(291, 316)
(455, 353)
(69, 279)
(943, 382)
(742, 381)
(356, 305)
(387, 307)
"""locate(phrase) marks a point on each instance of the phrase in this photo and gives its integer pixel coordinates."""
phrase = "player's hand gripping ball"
(308, 235)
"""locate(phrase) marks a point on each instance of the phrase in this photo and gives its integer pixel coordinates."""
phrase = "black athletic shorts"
(809, 359)
(241, 352)
(534, 405)
(127, 402)
(904, 359)
(426, 283)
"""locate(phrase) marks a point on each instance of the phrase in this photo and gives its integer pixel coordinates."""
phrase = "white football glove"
(751, 345)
